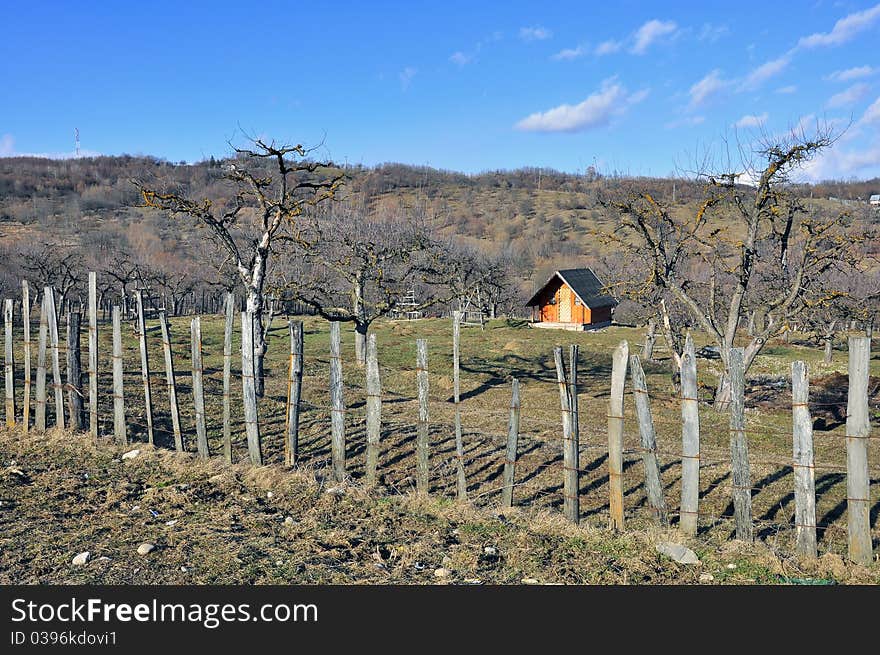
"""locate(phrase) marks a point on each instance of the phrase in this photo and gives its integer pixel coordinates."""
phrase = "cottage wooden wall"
(563, 295)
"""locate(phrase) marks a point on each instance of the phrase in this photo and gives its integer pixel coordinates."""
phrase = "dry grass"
(78, 496)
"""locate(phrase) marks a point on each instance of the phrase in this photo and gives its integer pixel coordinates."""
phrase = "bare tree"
(352, 265)
(746, 246)
(274, 185)
(53, 265)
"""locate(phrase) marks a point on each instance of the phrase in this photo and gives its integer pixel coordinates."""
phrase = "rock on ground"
(81, 559)
(678, 553)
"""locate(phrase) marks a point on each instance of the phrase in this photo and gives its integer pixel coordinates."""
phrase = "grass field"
(224, 527)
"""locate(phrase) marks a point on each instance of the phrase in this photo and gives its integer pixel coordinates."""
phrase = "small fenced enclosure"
(593, 431)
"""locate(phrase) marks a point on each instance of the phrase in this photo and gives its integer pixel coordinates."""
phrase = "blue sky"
(641, 88)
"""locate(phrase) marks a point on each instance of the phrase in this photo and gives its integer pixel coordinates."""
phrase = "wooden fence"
(627, 377)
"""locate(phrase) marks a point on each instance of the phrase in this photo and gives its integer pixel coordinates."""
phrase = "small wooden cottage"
(572, 299)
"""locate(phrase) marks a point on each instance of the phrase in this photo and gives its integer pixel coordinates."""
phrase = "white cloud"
(872, 113)
(750, 121)
(651, 32)
(570, 53)
(597, 110)
(706, 88)
(460, 59)
(608, 47)
(848, 97)
(7, 146)
(786, 90)
(856, 73)
(764, 72)
(536, 33)
(844, 30)
(712, 33)
(406, 76)
(7, 149)
(687, 121)
(837, 163)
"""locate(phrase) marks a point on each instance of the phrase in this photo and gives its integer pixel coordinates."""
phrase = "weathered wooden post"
(858, 431)
(145, 364)
(54, 351)
(294, 391)
(93, 354)
(461, 478)
(653, 483)
(615, 436)
(229, 310)
(198, 388)
(337, 405)
(374, 410)
(804, 474)
(26, 325)
(248, 389)
(40, 416)
(690, 440)
(171, 382)
(739, 450)
(119, 431)
(650, 339)
(510, 454)
(9, 364)
(565, 404)
(74, 372)
(422, 454)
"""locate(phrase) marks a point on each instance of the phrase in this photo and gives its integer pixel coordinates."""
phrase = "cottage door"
(564, 305)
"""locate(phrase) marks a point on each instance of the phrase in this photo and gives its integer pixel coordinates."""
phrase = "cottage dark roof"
(584, 283)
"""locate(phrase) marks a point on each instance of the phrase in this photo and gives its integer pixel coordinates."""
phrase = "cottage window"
(577, 301)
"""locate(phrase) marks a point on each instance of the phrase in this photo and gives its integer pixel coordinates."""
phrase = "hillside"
(541, 219)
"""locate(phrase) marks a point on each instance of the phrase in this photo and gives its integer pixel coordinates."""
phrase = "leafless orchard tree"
(53, 265)
(746, 246)
(352, 264)
(274, 186)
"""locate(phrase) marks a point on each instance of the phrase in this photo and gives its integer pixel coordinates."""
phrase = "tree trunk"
(360, 341)
(650, 338)
(255, 306)
(829, 342)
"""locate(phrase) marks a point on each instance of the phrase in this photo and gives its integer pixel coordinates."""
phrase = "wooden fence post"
(119, 432)
(170, 382)
(337, 405)
(54, 351)
(858, 431)
(145, 364)
(690, 441)
(650, 338)
(40, 416)
(571, 504)
(374, 410)
(26, 325)
(294, 391)
(461, 478)
(653, 483)
(74, 372)
(422, 454)
(93, 354)
(739, 450)
(248, 389)
(512, 438)
(9, 367)
(615, 436)
(227, 377)
(564, 400)
(804, 474)
(198, 388)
